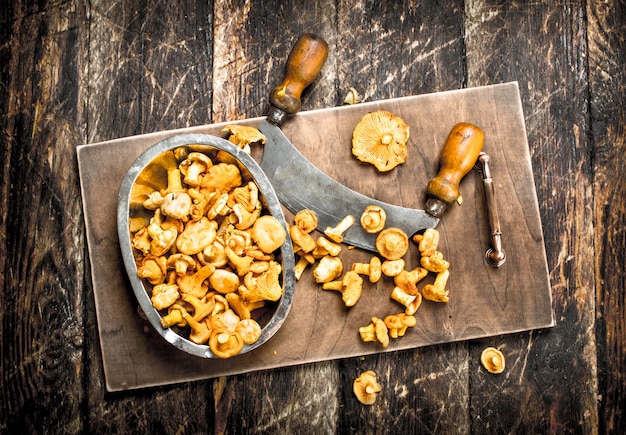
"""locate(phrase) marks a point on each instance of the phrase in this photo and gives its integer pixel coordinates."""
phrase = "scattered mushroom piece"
(392, 243)
(408, 321)
(243, 136)
(225, 344)
(413, 306)
(302, 239)
(336, 233)
(301, 266)
(327, 269)
(437, 291)
(326, 247)
(375, 331)
(380, 139)
(399, 295)
(427, 242)
(493, 360)
(394, 324)
(306, 220)
(407, 280)
(392, 267)
(268, 233)
(372, 269)
(350, 288)
(366, 387)
(373, 219)
(352, 97)
(435, 262)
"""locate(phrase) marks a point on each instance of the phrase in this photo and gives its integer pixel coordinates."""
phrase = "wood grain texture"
(551, 68)
(607, 51)
(73, 72)
(390, 52)
(42, 232)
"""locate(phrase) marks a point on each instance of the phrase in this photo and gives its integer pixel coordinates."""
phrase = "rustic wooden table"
(76, 72)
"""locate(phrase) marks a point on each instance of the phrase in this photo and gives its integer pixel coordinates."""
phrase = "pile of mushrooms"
(208, 252)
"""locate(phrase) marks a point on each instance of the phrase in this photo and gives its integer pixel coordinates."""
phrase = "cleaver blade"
(301, 185)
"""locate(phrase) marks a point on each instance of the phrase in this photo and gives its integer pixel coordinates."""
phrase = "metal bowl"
(149, 173)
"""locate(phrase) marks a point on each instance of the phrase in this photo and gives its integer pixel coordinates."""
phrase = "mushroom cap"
(352, 287)
(382, 333)
(392, 243)
(249, 330)
(373, 219)
(327, 269)
(493, 360)
(392, 267)
(380, 139)
(268, 233)
(306, 219)
(225, 344)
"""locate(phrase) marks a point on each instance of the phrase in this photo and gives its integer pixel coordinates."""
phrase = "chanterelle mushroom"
(380, 139)
(392, 243)
(350, 287)
(243, 136)
(373, 219)
(366, 387)
(493, 360)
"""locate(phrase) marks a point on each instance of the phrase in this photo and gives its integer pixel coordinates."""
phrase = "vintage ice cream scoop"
(300, 185)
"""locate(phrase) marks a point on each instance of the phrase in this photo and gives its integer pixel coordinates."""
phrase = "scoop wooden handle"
(458, 156)
(304, 64)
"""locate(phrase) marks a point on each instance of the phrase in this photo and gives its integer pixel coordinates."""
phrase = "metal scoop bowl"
(149, 173)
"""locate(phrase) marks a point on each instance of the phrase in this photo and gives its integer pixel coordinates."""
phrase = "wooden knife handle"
(304, 64)
(458, 156)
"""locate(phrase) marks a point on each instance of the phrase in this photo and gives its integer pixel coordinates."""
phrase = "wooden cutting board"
(483, 301)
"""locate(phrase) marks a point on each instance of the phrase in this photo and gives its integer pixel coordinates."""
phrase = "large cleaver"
(300, 185)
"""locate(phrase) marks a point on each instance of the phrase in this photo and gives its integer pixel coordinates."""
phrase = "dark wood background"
(74, 72)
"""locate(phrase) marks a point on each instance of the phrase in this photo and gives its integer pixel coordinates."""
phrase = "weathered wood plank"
(542, 46)
(150, 69)
(154, 71)
(41, 303)
(607, 57)
(252, 42)
(388, 50)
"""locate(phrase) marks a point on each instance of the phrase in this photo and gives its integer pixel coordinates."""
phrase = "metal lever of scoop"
(495, 255)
